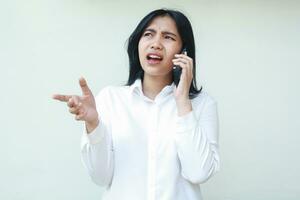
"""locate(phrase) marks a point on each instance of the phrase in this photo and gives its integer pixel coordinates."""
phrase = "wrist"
(184, 107)
(90, 126)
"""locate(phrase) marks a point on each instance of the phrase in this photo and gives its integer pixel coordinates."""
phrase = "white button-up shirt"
(142, 149)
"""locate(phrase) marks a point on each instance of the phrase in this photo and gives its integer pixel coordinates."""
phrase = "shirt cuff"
(186, 122)
(95, 136)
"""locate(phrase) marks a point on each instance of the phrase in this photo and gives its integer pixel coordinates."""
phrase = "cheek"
(171, 54)
(140, 54)
(141, 51)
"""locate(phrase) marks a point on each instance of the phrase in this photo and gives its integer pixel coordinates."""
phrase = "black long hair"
(185, 31)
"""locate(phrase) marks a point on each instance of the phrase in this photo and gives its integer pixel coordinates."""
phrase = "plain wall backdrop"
(247, 59)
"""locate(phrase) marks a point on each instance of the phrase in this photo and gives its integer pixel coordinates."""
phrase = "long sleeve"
(97, 151)
(197, 143)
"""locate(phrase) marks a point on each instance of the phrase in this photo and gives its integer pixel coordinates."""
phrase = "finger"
(71, 102)
(60, 97)
(74, 110)
(180, 60)
(84, 87)
(183, 76)
(181, 64)
(183, 56)
(76, 100)
(79, 116)
(184, 73)
(187, 64)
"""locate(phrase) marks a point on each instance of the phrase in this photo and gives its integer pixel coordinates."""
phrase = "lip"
(154, 54)
(153, 62)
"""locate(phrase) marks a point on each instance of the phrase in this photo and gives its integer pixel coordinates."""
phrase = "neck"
(152, 85)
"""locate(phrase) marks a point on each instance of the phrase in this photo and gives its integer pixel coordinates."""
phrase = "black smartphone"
(177, 70)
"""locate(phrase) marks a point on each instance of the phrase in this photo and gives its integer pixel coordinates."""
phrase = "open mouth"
(154, 58)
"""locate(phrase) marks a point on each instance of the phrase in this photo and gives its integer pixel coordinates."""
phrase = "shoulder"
(205, 98)
(204, 104)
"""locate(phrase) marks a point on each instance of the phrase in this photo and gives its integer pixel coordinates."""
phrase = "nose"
(156, 44)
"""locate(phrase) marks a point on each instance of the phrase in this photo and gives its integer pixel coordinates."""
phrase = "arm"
(96, 146)
(97, 154)
(96, 143)
(197, 143)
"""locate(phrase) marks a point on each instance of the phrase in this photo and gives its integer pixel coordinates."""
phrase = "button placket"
(152, 151)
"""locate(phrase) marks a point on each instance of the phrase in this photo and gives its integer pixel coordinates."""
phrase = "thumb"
(84, 87)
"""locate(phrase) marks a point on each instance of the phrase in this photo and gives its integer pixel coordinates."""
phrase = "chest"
(142, 123)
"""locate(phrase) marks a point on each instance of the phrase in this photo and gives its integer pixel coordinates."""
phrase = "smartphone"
(177, 70)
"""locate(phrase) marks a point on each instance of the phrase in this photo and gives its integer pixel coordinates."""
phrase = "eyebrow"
(163, 32)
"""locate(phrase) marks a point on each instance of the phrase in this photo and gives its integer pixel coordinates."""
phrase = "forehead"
(163, 23)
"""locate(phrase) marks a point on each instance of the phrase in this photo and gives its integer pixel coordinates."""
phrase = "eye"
(147, 34)
(169, 37)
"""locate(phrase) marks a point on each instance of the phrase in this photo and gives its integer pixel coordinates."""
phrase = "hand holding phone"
(177, 70)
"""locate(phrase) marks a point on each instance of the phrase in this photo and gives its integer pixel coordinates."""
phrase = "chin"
(156, 73)
(156, 70)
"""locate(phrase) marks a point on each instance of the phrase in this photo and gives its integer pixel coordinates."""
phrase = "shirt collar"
(137, 86)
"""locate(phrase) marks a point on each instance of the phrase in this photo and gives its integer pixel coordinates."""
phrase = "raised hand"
(181, 93)
(83, 107)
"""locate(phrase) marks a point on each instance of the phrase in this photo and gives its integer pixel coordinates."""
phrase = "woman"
(150, 139)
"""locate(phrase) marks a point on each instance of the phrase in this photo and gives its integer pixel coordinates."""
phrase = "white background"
(247, 59)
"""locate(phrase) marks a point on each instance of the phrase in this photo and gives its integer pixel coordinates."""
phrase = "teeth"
(154, 56)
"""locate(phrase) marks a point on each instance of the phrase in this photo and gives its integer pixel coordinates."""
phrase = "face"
(158, 45)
